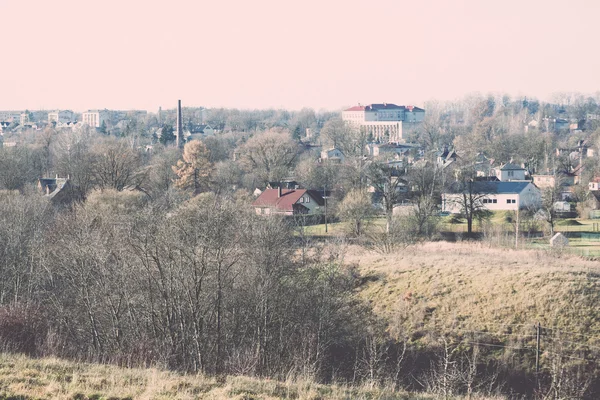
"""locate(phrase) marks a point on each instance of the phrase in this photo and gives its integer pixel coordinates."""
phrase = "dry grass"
(457, 287)
(22, 378)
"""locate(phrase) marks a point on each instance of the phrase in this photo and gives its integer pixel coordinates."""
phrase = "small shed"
(559, 240)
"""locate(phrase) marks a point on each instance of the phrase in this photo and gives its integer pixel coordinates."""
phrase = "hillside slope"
(468, 287)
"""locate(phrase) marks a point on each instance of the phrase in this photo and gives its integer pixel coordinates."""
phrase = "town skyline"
(142, 55)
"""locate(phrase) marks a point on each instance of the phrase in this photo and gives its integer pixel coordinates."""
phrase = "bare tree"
(115, 164)
(356, 209)
(270, 155)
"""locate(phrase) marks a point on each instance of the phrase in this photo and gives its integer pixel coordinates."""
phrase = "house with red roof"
(289, 202)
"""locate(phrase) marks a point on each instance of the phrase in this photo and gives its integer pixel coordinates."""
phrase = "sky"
(325, 54)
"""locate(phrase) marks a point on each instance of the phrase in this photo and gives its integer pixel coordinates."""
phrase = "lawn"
(584, 234)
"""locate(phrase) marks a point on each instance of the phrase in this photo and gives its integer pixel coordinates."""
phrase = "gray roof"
(503, 187)
(511, 167)
(493, 187)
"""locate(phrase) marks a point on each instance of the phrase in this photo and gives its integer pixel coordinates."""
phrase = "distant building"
(389, 149)
(10, 116)
(510, 172)
(61, 116)
(95, 118)
(24, 119)
(58, 190)
(288, 202)
(496, 196)
(332, 154)
(383, 121)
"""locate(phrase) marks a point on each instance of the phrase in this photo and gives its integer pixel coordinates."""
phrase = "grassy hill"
(471, 287)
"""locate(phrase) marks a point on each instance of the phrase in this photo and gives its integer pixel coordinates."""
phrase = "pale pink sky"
(125, 54)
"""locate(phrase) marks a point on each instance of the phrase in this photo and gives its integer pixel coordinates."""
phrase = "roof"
(495, 187)
(383, 106)
(356, 108)
(511, 167)
(289, 197)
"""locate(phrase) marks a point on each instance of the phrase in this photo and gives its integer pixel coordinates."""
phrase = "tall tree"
(389, 185)
(270, 155)
(167, 134)
(194, 170)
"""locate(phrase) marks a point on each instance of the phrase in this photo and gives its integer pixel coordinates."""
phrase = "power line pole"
(517, 230)
(325, 198)
(538, 331)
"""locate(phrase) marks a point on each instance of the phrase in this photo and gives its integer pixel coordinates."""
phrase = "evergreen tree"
(167, 135)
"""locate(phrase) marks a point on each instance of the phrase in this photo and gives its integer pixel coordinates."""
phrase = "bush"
(22, 329)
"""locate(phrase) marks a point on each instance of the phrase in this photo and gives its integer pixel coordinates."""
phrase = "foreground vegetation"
(50, 378)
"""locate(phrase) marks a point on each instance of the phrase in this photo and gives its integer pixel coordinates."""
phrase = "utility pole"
(538, 331)
(517, 230)
(325, 198)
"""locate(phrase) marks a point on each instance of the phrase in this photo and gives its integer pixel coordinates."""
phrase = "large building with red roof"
(289, 202)
(383, 121)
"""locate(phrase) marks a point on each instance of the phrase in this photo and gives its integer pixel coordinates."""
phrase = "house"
(510, 172)
(58, 190)
(445, 157)
(389, 149)
(495, 196)
(562, 179)
(333, 154)
(594, 184)
(288, 202)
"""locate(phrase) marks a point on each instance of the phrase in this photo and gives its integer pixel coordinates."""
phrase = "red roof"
(383, 106)
(289, 197)
(356, 108)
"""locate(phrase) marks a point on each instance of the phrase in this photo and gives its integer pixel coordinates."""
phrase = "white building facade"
(10, 116)
(497, 196)
(510, 172)
(61, 116)
(383, 121)
(94, 118)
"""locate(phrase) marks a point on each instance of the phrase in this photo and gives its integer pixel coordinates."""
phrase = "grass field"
(467, 287)
(587, 245)
(23, 378)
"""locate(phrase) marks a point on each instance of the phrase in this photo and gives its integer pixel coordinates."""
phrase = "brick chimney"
(179, 133)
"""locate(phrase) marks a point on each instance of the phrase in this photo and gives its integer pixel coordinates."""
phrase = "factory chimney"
(179, 138)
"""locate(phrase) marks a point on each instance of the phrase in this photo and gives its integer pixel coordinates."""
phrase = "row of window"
(302, 200)
(495, 201)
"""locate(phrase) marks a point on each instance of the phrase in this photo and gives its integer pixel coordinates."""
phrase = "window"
(495, 201)
(511, 173)
(308, 199)
(301, 199)
(511, 201)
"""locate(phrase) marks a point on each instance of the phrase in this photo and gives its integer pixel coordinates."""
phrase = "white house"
(510, 172)
(496, 196)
